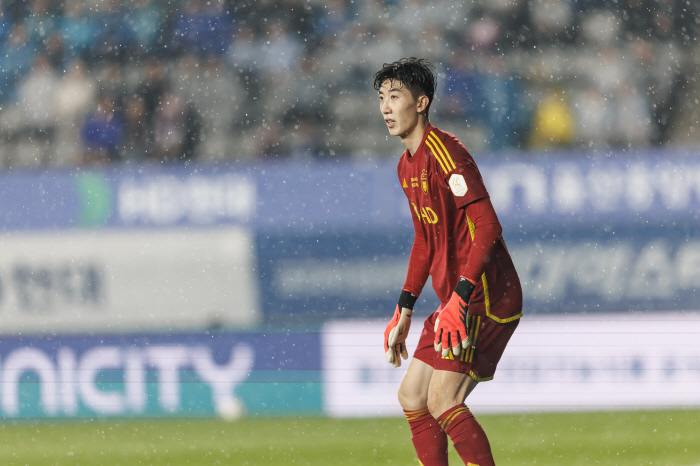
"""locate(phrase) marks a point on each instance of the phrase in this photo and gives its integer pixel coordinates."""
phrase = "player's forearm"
(418, 267)
(487, 230)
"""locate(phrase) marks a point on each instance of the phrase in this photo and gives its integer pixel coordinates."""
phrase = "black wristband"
(407, 300)
(464, 289)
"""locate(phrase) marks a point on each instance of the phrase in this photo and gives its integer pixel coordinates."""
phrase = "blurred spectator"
(103, 132)
(54, 50)
(41, 22)
(305, 140)
(244, 51)
(37, 112)
(153, 86)
(306, 95)
(333, 18)
(15, 61)
(551, 20)
(272, 143)
(145, 20)
(633, 125)
(78, 28)
(464, 94)
(553, 122)
(138, 132)
(267, 76)
(110, 80)
(507, 115)
(279, 51)
(594, 117)
(637, 16)
(5, 26)
(113, 39)
(73, 99)
(176, 130)
(203, 28)
(600, 27)
(216, 94)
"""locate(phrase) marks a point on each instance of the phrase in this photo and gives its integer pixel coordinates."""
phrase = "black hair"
(415, 74)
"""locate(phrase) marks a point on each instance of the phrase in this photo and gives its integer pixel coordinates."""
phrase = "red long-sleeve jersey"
(457, 232)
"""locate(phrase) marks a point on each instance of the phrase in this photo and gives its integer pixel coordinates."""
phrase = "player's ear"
(423, 102)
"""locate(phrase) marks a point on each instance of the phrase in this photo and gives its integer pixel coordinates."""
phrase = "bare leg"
(428, 438)
(448, 389)
(413, 392)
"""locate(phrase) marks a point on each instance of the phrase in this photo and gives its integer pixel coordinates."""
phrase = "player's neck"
(413, 139)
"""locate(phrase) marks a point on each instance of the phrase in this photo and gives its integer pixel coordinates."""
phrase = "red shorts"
(480, 363)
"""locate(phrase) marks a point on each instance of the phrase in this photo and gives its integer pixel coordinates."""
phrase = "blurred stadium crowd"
(101, 81)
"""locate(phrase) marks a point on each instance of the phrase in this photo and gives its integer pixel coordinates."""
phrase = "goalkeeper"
(458, 243)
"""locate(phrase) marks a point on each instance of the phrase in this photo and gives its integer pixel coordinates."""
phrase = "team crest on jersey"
(458, 185)
(424, 181)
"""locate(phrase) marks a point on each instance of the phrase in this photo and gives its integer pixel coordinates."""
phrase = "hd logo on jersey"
(425, 214)
(424, 181)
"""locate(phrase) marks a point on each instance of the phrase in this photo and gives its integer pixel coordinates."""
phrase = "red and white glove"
(397, 330)
(452, 325)
(395, 336)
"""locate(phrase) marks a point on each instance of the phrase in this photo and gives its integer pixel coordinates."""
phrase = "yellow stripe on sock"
(413, 415)
(448, 420)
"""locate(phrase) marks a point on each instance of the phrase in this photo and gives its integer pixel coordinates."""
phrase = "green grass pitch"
(620, 438)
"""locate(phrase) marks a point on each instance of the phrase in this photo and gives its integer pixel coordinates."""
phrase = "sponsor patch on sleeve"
(458, 185)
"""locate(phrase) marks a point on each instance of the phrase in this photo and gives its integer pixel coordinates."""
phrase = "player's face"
(399, 108)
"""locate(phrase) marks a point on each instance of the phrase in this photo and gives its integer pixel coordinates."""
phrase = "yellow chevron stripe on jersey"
(487, 301)
(472, 228)
(438, 154)
(442, 164)
(448, 158)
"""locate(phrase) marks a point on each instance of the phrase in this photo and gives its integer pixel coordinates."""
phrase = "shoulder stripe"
(432, 149)
(438, 154)
(448, 158)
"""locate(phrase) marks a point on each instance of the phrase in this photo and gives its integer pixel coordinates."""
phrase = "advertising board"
(529, 193)
(151, 375)
(570, 363)
(587, 232)
(360, 275)
(128, 280)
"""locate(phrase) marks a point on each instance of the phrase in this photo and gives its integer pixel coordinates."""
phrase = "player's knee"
(438, 403)
(410, 398)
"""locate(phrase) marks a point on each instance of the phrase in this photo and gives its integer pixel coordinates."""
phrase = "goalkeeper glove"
(397, 330)
(452, 325)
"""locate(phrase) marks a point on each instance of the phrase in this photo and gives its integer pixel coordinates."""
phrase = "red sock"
(467, 435)
(428, 438)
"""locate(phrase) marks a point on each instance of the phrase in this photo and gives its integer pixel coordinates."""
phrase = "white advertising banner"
(128, 280)
(552, 363)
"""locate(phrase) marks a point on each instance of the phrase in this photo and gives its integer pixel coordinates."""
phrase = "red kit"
(443, 184)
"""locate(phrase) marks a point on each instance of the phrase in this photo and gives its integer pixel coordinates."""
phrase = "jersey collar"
(428, 129)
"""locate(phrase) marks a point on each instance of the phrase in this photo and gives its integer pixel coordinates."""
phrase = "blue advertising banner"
(139, 375)
(574, 270)
(528, 193)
